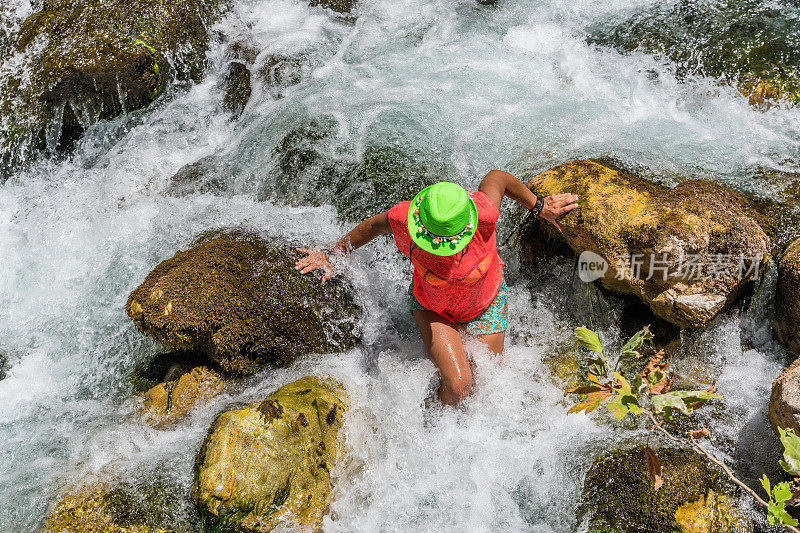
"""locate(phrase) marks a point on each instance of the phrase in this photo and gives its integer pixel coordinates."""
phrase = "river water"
(465, 86)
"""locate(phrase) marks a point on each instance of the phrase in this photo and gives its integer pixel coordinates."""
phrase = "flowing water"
(456, 86)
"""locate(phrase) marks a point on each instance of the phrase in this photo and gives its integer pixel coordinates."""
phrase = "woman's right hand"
(315, 260)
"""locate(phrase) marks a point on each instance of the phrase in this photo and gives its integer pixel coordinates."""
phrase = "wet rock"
(697, 242)
(84, 61)
(278, 73)
(271, 461)
(237, 88)
(173, 399)
(618, 495)
(3, 365)
(747, 43)
(784, 401)
(200, 177)
(151, 506)
(565, 364)
(239, 300)
(787, 298)
(310, 173)
(167, 366)
(340, 6)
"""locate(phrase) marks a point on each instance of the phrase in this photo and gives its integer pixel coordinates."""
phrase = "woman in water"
(449, 236)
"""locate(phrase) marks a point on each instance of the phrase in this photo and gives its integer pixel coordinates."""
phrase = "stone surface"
(84, 60)
(239, 300)
(784, 401)
(748, 43)
(172, 400)
(237, 88)
(623, 216)
(787, 298)
(618, 494)
(271, 461)
(120, 507)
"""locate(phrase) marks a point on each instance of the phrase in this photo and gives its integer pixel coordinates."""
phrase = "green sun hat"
(442, 218)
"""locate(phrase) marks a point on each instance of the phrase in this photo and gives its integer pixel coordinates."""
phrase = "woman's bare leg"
(495, 341)
(443, 342)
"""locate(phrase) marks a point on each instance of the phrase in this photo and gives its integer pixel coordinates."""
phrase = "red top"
(461, 286)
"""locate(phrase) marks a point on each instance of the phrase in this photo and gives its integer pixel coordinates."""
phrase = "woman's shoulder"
(485, 206)
(399, 212)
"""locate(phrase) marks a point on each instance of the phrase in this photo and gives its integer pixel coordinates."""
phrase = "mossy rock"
(277, 73)
(566, 366)
(623, 216)
(271, 462)
(199, 177)
(141, 506)
(239, 300)
(173, 399)
(787, 298)
(340, 6)
(237, 88)
(3, 365)
(618, 494)
(748, 43)
(86, 61)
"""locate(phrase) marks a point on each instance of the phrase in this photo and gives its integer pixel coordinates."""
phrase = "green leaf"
(777, 515)
(766, 485)
(782, 492)
(631, 348)
(626, 401)
(683, 401)
(592, 402)
(655, 377)
(588, 339)
(791, 451)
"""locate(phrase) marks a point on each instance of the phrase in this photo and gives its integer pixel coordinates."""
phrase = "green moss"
(618, 493)
(240, 301)
(237, 88)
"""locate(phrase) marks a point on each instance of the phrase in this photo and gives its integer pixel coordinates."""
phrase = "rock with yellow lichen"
(172, 400)
(270, 463)
(240, 301)
(153, 504)
(619, 496)
(787, 298)
(687, 252)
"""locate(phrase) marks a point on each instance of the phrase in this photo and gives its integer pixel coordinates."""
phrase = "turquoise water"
(459, 89)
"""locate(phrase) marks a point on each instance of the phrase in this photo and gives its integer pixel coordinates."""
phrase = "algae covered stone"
(787, 298)
(239, 300)
(152, 505)
(172, 400)
(618, 494)
(784, 401)
(750, 44)
(687, 252)
(81, 61)
(271, 462)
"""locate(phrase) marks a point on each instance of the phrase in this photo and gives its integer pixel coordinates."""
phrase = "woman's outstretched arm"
(497, 184)
(355, 238)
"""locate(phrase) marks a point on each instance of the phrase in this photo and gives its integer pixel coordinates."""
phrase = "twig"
(692, 443)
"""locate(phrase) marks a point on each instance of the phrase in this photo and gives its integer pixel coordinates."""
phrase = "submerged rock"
(751, 44)
(271, 462)
(787, 298)
(618, 495)
(340, 6)
(153, 505)
(239, 300)
(237, 88)
(784, 401)
(173, 399)
(697, 243)
(83, 61)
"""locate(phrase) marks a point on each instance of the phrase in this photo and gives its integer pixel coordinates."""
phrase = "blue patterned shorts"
(493, 320)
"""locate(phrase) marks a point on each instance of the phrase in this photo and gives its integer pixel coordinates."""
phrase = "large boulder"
(618, 495)
(81, 61)
(270, 462)
(697, 243)
(721, 40)
(784, 401)
(787, 298)
(239, 300)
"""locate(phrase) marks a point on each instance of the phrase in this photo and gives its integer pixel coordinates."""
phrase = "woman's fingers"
(567, 209)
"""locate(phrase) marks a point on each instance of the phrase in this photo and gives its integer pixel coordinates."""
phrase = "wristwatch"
(536, 210)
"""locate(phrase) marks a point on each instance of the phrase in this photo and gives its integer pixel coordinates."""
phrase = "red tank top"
(461, 286)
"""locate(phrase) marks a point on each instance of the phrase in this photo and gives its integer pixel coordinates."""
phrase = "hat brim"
(425, 241)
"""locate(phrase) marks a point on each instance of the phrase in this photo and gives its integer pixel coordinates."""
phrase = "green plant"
(649, 394)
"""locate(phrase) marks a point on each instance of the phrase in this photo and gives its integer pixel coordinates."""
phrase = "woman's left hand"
(315, 260)
(558, 205)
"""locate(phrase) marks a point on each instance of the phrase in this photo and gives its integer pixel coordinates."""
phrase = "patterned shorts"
(493, 320)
